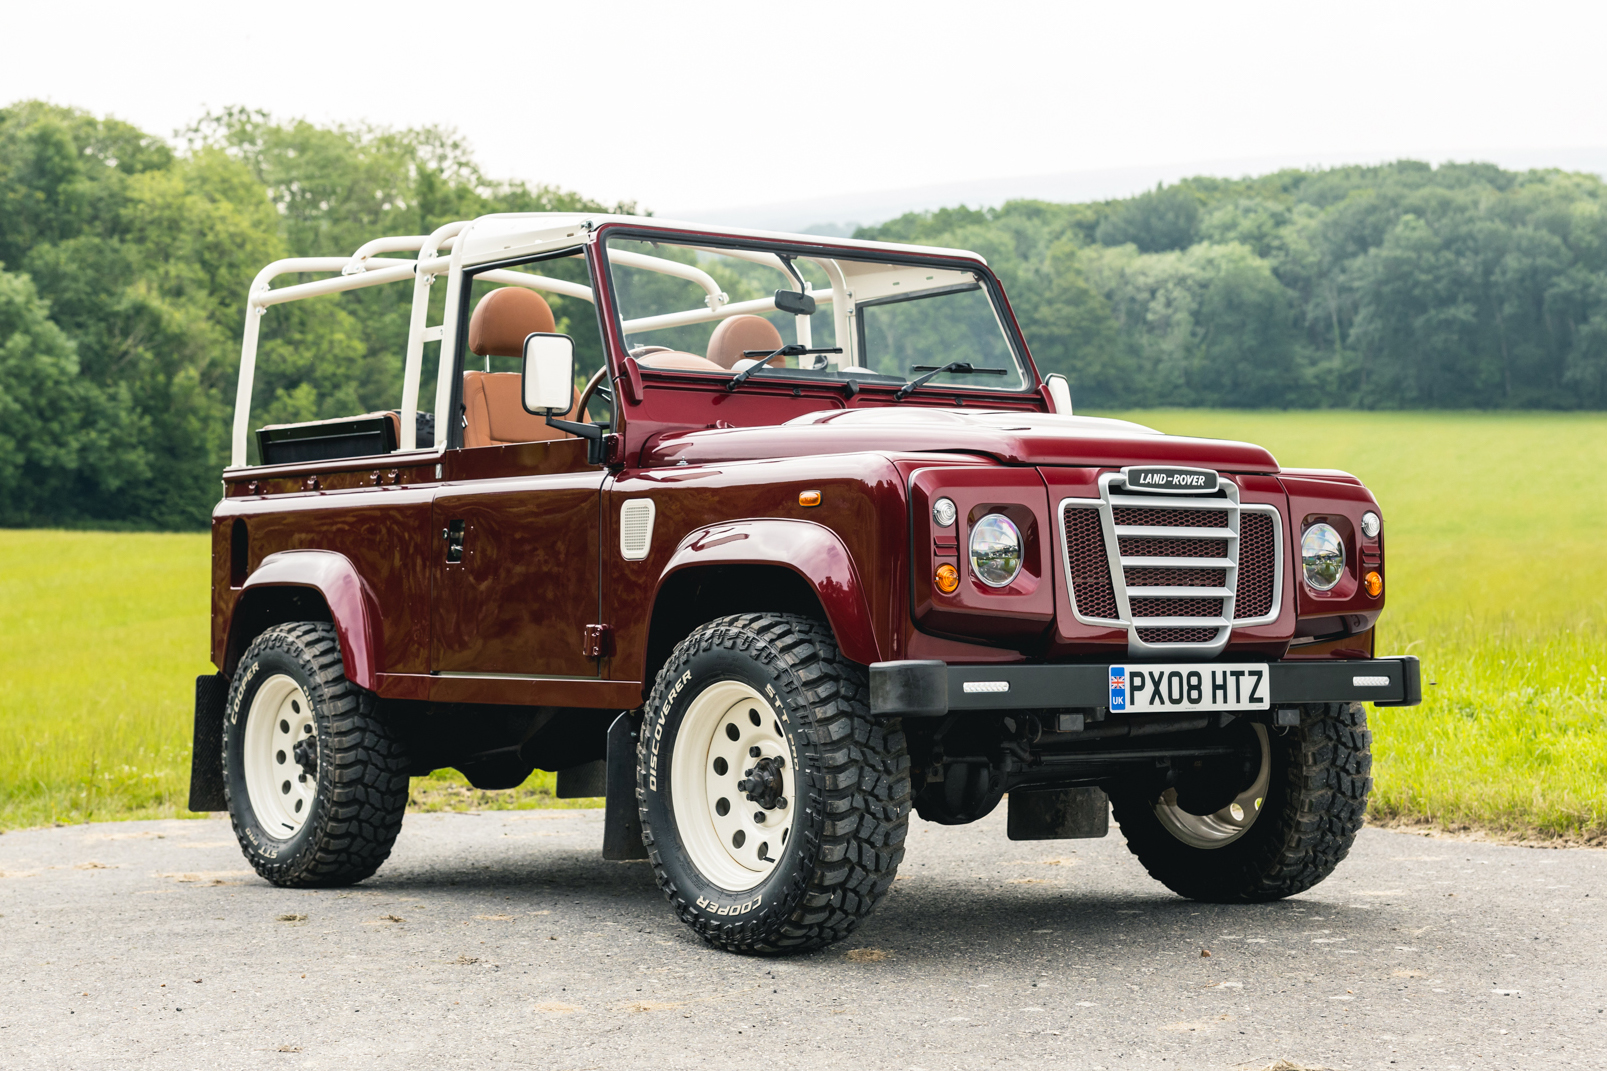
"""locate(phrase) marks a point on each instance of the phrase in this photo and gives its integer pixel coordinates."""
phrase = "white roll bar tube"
(259, 297)
(417, 332)
(716, 297)
(703, 316)
(364, 268)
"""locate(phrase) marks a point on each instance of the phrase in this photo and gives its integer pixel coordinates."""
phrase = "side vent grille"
(1258, 565)
(1090, 564)
(636, 528)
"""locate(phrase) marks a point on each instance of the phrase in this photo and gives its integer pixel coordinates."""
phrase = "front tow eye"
(306, 755)
(762, 783)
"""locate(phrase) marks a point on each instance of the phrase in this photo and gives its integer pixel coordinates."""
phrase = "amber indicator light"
(808, 498)
(1373, 583)
(947, 579)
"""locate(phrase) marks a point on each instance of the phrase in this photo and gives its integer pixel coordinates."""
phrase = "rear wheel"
(1275, 829)
(316, 784)
(773, 806)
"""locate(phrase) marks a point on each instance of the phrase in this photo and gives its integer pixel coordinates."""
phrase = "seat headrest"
(504, 317)
(738, 333)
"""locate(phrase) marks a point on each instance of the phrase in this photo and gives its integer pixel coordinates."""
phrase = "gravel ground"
(502, 939)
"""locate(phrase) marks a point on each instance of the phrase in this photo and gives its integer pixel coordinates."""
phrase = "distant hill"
(840, 214)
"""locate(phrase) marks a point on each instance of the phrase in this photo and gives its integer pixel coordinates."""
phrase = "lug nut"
(753, 752)
(782, 803)
(758, 816)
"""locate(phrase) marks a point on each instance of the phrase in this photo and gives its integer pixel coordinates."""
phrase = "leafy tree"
(1157, 221)
(63, 440)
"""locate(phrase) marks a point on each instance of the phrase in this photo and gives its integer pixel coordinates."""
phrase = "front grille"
(1091, 588)
(1161, 547)
(1189, 570)
(1150, 577)
(1177, 635)
(1172, 518)
(1174, 607)
(1258, 554)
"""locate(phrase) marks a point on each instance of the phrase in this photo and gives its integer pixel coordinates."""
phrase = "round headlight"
(1322, 556)
(995, 550)
(943, 512)
(1370, 524)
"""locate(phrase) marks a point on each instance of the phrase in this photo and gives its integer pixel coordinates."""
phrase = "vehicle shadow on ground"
(978, 915)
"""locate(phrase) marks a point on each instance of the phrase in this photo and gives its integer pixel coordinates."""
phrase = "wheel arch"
(769, 564)
(308, 585)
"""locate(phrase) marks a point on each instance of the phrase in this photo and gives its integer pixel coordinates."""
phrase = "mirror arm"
(592, 433)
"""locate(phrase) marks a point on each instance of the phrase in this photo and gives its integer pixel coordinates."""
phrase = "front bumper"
(931, 689)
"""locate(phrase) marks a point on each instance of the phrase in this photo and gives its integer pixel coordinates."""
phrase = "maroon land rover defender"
(771, 540)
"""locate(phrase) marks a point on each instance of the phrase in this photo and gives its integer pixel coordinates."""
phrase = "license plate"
(1191, 686)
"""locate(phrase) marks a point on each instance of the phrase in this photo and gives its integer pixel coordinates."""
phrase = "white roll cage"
(449, 249)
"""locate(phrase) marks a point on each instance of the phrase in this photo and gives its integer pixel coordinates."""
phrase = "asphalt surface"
(502, 939)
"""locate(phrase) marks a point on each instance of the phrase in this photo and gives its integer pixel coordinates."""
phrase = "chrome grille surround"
(1205, 545)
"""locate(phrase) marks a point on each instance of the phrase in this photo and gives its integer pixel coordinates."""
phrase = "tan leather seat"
(745, 332)
(493, 404)
(677, 361)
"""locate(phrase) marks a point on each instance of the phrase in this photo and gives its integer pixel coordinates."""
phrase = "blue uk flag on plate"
(1118, 687)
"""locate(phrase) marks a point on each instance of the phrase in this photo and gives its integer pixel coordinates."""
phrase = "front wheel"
(773, 806)
(1267, 830)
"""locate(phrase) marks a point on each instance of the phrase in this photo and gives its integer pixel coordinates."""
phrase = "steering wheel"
(594, 385)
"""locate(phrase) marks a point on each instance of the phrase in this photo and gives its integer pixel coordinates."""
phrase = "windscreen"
(725, 311)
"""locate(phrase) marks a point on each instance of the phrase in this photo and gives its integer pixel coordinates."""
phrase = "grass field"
(1497, 580)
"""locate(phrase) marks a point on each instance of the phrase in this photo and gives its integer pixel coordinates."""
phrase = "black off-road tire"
(362, 768)
(1316, 800)
(852, 780)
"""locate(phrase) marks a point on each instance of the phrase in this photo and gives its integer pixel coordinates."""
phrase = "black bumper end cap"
(914, 688)
(1411, 681)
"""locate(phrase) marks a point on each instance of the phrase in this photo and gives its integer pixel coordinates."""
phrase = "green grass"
(101, 637)
(1496, 572)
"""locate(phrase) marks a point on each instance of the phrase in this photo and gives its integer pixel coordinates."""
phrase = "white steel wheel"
(1231, 822)
(280, 756)
(732, 785)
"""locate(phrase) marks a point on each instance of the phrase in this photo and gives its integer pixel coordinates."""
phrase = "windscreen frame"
(618, 351)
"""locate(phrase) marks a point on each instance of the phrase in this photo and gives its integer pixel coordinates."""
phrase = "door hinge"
(597, 641)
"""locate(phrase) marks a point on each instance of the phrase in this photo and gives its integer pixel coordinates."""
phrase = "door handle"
(453, 534)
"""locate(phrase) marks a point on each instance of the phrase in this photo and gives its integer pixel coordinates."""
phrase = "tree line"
(124, 264)
(1388, 287)
(125, 258)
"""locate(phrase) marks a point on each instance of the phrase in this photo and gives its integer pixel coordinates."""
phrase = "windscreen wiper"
(965, 368)
(762, 356)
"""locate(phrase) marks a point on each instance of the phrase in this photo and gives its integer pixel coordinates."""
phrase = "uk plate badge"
(1118, 688)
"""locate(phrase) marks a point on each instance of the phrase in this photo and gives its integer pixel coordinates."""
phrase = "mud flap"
(206, 756)
(622, 822)
(1062, 814)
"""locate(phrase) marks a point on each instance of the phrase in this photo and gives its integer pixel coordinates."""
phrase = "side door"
(515, 574)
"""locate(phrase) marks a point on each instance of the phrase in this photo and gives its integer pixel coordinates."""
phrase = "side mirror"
(548, 378)
(1059, 392)
(795, 302)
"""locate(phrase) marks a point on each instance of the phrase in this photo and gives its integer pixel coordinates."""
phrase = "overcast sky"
(691, 107)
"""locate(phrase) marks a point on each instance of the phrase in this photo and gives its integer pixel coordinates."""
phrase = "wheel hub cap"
(280, 755)
(732, 785)
(1231, 822)
(763, 784)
